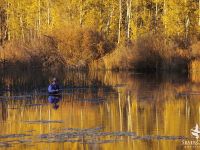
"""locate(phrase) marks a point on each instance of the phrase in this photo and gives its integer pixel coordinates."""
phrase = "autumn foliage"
(124, 34)
(149, 53)
(74, 49)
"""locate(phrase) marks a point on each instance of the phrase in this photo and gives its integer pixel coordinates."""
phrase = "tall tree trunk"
(187, 24)
(165, 11)
(156, 9)
(1, 27)
(109, 20)
(21, 25)
(4, 21)
(129, 5)
(81, 13)
(199, 13)
(120, 21)
(165, 25)
(39, 18)
(36, 28)
(22, 28)
(156, 16)
(48, 12)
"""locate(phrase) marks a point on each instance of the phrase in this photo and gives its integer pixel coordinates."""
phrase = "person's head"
(54, 80)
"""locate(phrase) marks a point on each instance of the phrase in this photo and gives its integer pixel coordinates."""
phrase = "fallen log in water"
(188, 93)
(14, 136)
(43, 121)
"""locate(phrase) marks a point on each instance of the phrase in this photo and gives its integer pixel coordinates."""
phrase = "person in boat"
(54, 87)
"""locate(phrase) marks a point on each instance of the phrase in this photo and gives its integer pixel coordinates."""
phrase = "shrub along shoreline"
(85, 48)
(73, 50)
(150, 53)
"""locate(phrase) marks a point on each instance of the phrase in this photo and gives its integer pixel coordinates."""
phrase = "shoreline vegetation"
(148, 36)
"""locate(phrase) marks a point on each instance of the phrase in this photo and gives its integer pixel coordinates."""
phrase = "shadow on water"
(125, 109)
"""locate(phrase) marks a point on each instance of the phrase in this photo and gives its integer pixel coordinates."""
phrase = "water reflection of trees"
(3, 111)
(155, 109)
(147, 105)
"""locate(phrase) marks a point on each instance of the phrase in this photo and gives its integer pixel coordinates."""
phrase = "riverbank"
(150, 53)
(87, 49)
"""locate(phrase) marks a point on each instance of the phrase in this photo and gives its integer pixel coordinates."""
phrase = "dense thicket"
(108, 21)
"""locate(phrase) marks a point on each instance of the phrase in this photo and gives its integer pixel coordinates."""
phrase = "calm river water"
(99, 110)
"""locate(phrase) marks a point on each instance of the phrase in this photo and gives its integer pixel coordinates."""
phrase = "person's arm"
(50, 89)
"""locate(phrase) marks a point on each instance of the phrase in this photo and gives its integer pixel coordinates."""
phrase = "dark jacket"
(53, 89)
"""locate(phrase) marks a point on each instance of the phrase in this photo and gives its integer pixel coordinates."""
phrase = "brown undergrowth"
(149, 53)
(68, 47)
(74, 47)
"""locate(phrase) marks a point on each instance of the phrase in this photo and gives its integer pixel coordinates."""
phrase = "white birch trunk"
(129, 5)
(165, 11)
(120, 20)
(48, 13)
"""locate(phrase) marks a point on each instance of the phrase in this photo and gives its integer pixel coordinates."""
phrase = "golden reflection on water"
(147, 106)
